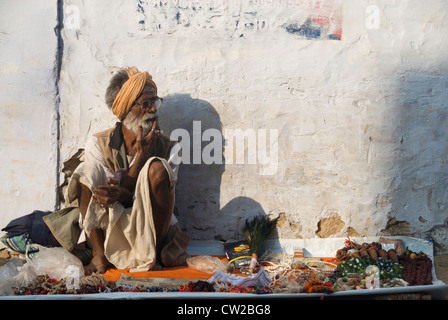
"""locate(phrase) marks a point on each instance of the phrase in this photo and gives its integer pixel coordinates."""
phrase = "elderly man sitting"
(125, 186)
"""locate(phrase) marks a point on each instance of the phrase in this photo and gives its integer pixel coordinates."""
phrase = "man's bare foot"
(99, 264)
(157, 267)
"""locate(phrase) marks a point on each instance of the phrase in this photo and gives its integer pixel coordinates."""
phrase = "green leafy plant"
(256, 230)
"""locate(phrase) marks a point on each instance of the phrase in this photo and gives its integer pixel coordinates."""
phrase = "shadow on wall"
(420, 190)
(198, 188)
(239, 210)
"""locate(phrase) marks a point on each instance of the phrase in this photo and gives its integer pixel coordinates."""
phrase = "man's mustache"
(149, 116)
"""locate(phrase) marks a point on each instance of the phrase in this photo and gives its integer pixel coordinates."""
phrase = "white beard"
(132, 122)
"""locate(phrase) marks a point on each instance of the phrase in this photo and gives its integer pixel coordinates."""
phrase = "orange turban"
(130, 91)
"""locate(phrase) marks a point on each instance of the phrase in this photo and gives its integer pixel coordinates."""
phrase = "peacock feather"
(256, 230)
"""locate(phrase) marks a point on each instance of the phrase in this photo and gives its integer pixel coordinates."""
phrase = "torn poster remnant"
(304, 19)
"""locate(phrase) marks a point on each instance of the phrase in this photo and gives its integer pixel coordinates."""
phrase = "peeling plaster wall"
(360, 120)
(28, 117)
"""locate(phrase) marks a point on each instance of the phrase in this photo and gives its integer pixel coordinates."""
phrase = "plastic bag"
(11, 268)
(7, 274)
(207, 264)
(6, 286)
(56, 262)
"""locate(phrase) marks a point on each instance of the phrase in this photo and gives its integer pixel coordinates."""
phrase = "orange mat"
(183, 272)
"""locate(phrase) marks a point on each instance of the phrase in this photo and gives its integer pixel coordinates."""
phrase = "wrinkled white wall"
(361, 122)
(28, 117)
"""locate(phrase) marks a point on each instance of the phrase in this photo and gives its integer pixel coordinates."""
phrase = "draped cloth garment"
(130, 235)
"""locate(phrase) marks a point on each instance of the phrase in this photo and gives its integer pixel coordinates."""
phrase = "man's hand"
(145, 143)
(108, 194)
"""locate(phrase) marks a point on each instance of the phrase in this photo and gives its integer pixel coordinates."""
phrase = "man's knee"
(157, 174)
(88, 175)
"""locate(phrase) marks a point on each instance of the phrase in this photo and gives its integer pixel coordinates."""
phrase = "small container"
(373, 254)
(363, 252)
(392, 254)
(354, 253)
(383, 254)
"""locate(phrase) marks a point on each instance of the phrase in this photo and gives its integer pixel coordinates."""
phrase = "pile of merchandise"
(382, 264)
(43, 285)
(369, 265)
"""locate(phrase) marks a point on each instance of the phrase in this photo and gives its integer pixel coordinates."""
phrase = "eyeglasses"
(148, 103)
